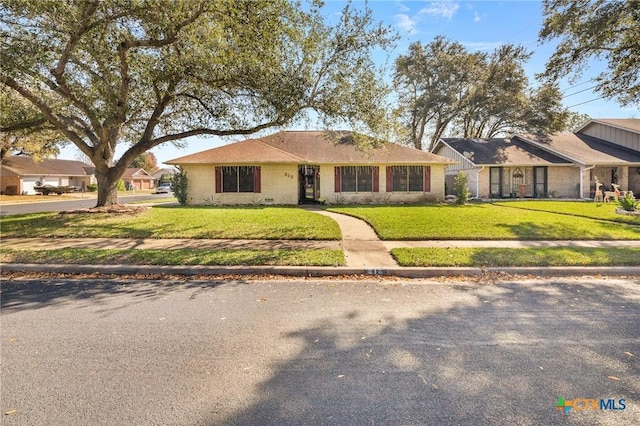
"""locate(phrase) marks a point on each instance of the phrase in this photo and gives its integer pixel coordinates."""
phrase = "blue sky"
(478, 25)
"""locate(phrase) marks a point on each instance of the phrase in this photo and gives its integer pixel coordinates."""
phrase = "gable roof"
(136, 172)
(27, 166)
(584, 149)
(629, 124)
(503, 151)
(315, 147)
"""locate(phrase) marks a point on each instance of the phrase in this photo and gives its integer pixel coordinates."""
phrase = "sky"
(478, 25)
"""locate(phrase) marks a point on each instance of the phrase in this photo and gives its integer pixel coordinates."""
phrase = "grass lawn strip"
(278, 257)
(488, 222)
(492, 257)
(254, 223)
(602, 211)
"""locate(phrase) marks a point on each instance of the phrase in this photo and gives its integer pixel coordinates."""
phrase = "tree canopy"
(140, 73)
(442, 86)
(146, 161)
(24, 130)
(602, 29)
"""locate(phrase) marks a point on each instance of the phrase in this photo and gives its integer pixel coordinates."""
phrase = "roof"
(503, 151)
(585, 149)
(136, 172)
(315, 147)
(629, 124)
(25, 165)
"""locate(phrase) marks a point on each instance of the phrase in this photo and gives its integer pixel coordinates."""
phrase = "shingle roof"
(586, 149)
(136, 172)
(308, 147)
(631, 124)
(503, 151)
(24, 165)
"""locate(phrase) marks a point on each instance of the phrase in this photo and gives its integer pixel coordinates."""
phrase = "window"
(238, 179)
(356, 179)
(409, 179)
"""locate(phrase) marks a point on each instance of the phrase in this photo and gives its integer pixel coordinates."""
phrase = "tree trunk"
(107, 187)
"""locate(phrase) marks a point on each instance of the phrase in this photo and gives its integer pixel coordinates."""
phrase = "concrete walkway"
(361, 245)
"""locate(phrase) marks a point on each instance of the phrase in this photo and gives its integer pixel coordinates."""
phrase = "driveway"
(189, 352)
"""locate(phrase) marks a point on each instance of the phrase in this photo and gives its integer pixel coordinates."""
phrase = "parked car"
(164, 188)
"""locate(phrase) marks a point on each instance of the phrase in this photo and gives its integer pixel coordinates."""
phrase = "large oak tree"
(141, 73)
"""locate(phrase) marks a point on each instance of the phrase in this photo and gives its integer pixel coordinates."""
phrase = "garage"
(28, 183)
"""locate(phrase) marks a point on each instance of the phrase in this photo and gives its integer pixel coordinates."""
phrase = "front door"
(309, 180)
(540, 187)
(495, 182)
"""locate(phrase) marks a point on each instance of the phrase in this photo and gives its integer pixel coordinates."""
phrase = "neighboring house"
(20, 174)
(158, 173)
(507, 167)
(295, 167)
(562, 165)
(136, 178)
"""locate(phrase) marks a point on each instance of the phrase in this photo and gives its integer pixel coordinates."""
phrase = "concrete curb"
(321, 271)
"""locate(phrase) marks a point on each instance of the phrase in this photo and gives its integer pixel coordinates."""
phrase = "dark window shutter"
(376, 179)
(389, 179)
(336, 179)
(427, 179)
(218, 180)
(256, 180)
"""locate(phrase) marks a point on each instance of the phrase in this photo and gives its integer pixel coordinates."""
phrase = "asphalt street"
(335, 352)
(49, 204)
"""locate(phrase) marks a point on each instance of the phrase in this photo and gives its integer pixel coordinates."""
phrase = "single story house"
(562, 165)
(163, 174)
(19, 174)
(293, 167)
(137, 178)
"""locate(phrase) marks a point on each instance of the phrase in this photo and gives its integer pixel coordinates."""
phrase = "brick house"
(19, 174)
(136, 178)
(562, 165)
(294, 167)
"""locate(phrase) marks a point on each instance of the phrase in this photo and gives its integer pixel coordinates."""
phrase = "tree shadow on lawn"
(503, 353)
(536, 231)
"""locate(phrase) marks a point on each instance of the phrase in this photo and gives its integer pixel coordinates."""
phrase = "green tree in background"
(443, 87)
(608, 30)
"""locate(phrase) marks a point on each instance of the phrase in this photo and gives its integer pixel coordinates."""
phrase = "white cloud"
(477, 17)
(445, 9)
(406, 23)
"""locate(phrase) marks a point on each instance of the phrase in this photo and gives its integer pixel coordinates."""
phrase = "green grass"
(504, 221)
(269, 223)
(492, 257)
(319, 257)
(603, 211)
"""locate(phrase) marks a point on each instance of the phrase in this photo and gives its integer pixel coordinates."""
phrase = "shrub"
(629, 203)
(180, 183)
(461, 188)
(92, 187)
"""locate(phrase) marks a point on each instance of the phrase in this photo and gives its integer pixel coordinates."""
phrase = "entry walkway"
(360, 243)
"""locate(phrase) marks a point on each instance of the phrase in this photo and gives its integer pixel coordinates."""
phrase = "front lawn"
(269, 223)
(604, 211)
(502, 221)
(279, 257)
(539, 256)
